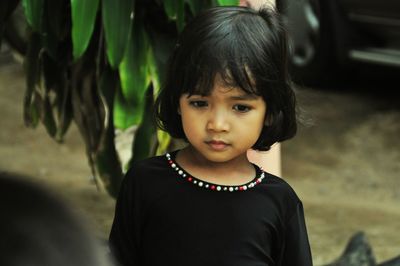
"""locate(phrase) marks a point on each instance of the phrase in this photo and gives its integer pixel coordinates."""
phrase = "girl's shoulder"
(149, 164)
(280, 188)
(150, 172)
(147, 167)
(282, 194)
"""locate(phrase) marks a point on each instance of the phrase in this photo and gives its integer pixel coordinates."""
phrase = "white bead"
(244, 187)
(195, 181)
(173, 165)
(184, 175)
(236, 188)
(200, 184)
(180, 172)
(218, 188)
(225, 188)
(206, 185)
(231, 189)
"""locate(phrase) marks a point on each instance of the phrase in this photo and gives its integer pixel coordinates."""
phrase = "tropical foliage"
(98, 63)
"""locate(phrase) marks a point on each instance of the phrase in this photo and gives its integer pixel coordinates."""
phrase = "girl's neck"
(233, 172)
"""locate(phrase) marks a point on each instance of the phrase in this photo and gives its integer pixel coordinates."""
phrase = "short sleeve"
(296, 250)
(125, 231)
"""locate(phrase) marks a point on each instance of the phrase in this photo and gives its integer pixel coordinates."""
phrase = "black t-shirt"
(165, 217)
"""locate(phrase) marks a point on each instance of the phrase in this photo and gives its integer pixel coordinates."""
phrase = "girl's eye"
(241, 108)
(198, 104)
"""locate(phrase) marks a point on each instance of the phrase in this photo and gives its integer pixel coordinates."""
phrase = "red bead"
(170, 162)
(241, 188)
(258, 181)
(190, 179)
(212, 187)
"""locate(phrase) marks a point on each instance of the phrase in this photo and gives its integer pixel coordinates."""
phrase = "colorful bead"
(193, 180)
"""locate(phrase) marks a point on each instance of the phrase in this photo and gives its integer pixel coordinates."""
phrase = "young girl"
(227, 91)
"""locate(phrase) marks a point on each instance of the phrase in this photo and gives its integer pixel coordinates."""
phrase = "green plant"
(99, 63)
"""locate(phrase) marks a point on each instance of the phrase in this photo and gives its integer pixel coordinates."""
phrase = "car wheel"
(311, 40)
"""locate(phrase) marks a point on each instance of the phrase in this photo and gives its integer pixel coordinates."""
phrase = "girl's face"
(224, 125)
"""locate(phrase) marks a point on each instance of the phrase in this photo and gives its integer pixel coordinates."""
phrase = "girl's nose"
(218, 121)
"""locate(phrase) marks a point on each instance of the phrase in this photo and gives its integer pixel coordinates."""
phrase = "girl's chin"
(221, 156)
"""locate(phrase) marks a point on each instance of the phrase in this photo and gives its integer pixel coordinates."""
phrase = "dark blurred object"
(14, 30)
(332, 38)
(359, 253)
(38, 229)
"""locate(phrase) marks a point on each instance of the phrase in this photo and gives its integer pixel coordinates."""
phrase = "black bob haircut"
(249, 50)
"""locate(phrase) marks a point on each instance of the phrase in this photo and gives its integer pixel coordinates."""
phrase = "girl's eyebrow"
(244, 97)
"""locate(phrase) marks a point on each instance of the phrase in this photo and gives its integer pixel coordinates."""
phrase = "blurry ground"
(345, 168)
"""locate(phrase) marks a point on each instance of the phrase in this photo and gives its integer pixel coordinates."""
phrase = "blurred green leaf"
(171, 8)
(55, 82)
(126, 113)
(175, 11)
(153, 70)
(162, 45)
(146, 133)
(34, 13)
(83, 21)
(228, 2)
(32, 71)
(180, 18)
(107, 160)
(64, 107)
(134, 70)
(117, 21)
(48, 117)
(35, 110)
(164, 139)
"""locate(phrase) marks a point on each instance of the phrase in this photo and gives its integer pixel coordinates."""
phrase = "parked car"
(331, 37)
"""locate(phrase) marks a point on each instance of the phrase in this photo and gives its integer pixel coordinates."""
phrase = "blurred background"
(344, 163)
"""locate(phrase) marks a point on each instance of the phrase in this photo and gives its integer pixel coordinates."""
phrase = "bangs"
(231, 77)
(229, 52)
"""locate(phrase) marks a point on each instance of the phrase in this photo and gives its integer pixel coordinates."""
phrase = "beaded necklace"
(211, 186)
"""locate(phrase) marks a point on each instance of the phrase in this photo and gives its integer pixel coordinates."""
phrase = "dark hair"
(38, 228)
(248, 49)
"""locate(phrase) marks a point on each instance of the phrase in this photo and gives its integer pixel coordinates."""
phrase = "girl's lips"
(217, 145)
